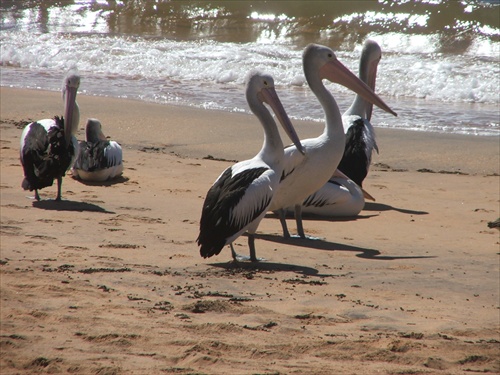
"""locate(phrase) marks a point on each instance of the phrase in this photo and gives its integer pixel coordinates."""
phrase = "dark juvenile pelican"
(48, 147)
(240, 197)
(342, 195)
(98, 159)
(305, 174)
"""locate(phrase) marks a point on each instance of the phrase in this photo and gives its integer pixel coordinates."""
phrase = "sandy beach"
(110, 280)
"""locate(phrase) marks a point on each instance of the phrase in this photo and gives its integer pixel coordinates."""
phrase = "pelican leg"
(298, 220)
(59, 185)
(242, 258)
(235, 255)
(251, 246)
(282, 215)
(300, 227)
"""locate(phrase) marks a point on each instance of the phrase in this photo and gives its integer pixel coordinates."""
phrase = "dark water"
(440, 68)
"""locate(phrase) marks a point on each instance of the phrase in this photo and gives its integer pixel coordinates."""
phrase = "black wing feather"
(354, 161)
(91, 156)
(315, 200)
(216, 225)
(45, 155)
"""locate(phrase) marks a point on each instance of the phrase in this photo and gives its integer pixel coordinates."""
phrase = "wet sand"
(110, 280)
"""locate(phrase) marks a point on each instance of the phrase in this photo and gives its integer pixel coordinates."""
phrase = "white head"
(320, 62)
(93, 131)
(260, 89)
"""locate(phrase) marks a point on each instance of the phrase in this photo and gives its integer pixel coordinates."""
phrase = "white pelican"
(305, 174)
(98, 159)
(360, 135)
(240, 197)
(48, 147)
(341, 195)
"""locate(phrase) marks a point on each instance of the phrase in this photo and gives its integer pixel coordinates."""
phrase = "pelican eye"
(330, 55)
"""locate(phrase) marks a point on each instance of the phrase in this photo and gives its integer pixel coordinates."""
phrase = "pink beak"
(271, 97)
(336, 72)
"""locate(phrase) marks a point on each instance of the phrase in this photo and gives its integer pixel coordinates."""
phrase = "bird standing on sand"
(98, 158)
(342, 195)
(240, 197)
(48, 147)
(305, 174)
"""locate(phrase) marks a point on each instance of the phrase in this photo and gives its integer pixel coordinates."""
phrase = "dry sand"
(110, 280)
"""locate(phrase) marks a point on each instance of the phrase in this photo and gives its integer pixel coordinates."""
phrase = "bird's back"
(98, 161)
(44, 153)
(91, 156)
(338, 197)
(304, 174)
(360, 142)
(232, 204)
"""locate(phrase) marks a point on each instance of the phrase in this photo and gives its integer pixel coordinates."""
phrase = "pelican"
(360, 135)
(48, 147)
(342, 195)
(240, 197)
(98, 159)
(305, 174)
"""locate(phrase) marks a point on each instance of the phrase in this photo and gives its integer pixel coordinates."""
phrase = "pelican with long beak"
(343, 194)
(305, 174)
(360, 134)
(49, 146)
(98, 159)
(241, 195)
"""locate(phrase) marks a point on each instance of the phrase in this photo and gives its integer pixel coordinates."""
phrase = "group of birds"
(49, 147)
(321, 175)
(318, 175)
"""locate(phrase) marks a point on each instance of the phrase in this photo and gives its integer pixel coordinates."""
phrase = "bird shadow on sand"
(65, 205)
(114, 181)
(371, 206)
(313, 217)
(264, 266)
(320, 244)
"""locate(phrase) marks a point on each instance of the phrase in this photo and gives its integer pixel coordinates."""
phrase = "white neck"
(359, 107)
(333, 118)
(76, 119)
(272, 147)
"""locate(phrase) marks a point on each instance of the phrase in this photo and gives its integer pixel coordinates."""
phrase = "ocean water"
(440, 68)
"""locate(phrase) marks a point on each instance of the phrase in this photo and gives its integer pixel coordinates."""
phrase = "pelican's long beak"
(69, 112)
(271, 97)
(340, 174)
(372, 77)
(367, 195)
(101, 136)
(336, 72)
(372, 74)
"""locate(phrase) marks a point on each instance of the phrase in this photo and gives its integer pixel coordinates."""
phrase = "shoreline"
(110, 280)
(399, 149)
